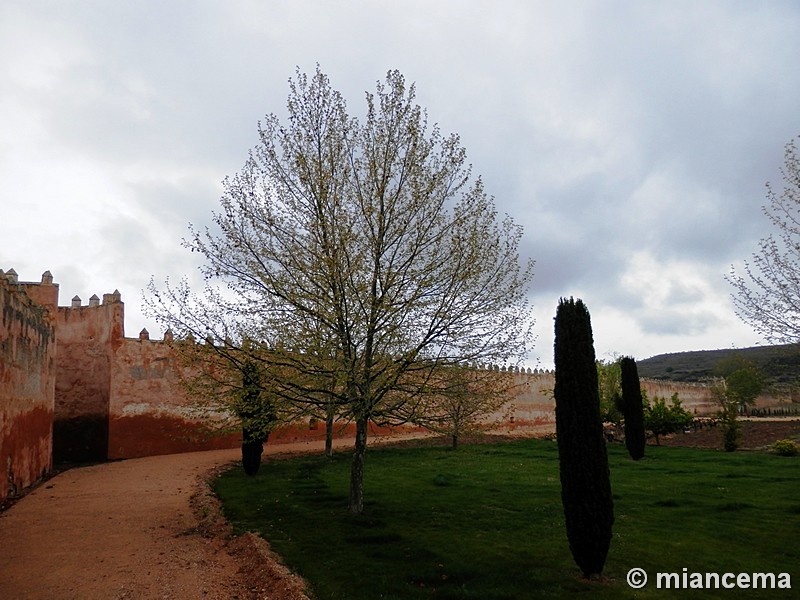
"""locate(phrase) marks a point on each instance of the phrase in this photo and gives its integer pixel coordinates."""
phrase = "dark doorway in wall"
(80, 439)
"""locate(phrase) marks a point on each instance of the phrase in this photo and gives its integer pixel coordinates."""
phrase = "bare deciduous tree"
(364, 256)
(462, 398)
(767, 296)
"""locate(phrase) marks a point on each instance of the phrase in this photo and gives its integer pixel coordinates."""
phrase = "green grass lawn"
(485, 521)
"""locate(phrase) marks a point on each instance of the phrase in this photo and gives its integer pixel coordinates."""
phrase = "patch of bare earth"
(262, 571)
(146, 528)
(756, 434)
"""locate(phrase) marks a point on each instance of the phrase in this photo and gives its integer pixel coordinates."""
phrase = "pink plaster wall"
(533, 407)
(74, 387)
(694, 397)
(149, 411)
(87, 338)
(27, 380)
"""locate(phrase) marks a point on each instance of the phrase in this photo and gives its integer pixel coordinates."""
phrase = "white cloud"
(632, 140)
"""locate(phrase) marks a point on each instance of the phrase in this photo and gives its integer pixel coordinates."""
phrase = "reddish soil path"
(116, 530)
(128, 529)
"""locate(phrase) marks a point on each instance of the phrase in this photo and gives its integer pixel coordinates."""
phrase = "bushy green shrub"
(661, 419)
(785, 448)
(731, 427)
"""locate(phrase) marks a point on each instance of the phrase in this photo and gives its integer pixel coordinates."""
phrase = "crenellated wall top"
(112, 298)
(144, 336)
(42, 294)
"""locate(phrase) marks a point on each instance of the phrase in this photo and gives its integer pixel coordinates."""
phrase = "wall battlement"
(103, 384)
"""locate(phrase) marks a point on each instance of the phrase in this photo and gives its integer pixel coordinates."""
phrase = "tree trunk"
(455, 441)
(329, 434)
(357, 469)
(252, 448)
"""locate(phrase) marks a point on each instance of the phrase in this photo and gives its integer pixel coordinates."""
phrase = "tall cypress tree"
(633, 409)
(583, 460)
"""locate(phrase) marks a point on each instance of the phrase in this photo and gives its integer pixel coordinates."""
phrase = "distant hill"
(780, 364)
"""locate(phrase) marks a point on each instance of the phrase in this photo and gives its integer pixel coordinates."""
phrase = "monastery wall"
(149, 411)
(694, 397)
(73, 388)
(697, 398)
(87, 337)
(532, 410)
(119, 397)
(27, 383)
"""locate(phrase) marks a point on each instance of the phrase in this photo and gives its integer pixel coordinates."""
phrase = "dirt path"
(128, 530)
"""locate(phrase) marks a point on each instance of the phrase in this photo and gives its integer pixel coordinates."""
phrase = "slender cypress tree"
(583, 460)
(633, 410)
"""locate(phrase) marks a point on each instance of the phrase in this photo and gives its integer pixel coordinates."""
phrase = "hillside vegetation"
(780, 364)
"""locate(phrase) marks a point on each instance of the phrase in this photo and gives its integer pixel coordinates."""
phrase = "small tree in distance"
(728, 415)
(633, 408)
(744, 381)
(609, 381)
(660, 419)
(462, 399)
(583, 459)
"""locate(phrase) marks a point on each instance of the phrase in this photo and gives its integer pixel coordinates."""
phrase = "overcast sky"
(633, 140)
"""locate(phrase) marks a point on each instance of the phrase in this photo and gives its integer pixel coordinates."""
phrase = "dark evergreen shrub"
(633, 409)
(256, 415)
(583, 461)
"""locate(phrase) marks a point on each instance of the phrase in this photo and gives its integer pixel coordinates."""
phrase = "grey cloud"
(606, 129)
(676, 323)
(682, 293)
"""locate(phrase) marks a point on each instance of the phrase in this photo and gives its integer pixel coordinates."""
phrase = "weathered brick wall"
(27, 380)
(533, 407)
(694, 397)
(87, 338)
(71, 371)
(149, 411)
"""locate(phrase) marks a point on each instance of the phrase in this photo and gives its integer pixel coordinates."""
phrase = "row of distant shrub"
(782, 411)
